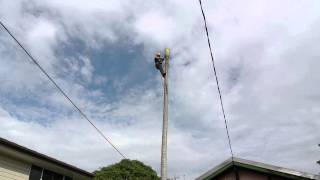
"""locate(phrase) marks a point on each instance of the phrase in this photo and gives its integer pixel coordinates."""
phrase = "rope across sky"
(216, 77)
(62, 92)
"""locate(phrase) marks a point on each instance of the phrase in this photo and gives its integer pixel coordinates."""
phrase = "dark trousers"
(160, 67)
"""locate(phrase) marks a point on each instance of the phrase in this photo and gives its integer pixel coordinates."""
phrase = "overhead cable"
(61, 90)
(217, 80)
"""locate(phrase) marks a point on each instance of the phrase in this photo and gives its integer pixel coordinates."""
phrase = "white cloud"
(266, 54)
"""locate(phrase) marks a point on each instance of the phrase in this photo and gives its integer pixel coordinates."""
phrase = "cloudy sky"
(101, 53)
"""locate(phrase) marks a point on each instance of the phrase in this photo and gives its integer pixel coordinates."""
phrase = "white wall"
(11, 169)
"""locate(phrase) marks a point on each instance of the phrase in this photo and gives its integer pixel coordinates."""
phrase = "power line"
(217, 81)
(59, 88)
(319, 160)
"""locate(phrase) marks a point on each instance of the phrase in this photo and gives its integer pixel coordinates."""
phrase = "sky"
(101, 53)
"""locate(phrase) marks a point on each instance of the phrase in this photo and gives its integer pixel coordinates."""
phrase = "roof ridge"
(257, 166)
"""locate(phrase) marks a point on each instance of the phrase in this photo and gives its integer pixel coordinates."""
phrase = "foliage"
(126, 170)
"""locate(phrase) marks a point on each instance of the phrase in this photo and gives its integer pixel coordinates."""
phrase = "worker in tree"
(158, 62)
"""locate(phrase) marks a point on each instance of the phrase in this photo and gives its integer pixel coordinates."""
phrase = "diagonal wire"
(62, 91)
(217, 81)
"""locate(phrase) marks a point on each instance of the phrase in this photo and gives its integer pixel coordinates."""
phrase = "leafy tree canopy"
(126, 170)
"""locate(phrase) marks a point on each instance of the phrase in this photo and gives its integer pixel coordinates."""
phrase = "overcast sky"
(101, 53)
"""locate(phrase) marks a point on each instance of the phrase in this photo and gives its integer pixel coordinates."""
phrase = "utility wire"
(60, 89)
(217, 81)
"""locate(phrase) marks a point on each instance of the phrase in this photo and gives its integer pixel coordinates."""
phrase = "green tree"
(126, 170)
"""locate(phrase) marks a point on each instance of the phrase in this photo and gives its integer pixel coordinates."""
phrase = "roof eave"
(30, 152)
(252, 165)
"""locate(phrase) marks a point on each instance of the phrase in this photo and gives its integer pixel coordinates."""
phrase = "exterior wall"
(227, 175)
(251, 175)
(241, 169)
(11, 169)
(17, 165)
(244, 174)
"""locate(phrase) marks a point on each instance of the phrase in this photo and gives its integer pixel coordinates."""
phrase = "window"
(35, 173)
(38, 173)
(49, 175)
(67, 178)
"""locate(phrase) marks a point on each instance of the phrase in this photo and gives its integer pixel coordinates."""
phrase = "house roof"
(30, 152)
(256, 166)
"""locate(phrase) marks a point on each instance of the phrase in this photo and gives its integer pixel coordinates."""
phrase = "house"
(20, 163)
(241, 169)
